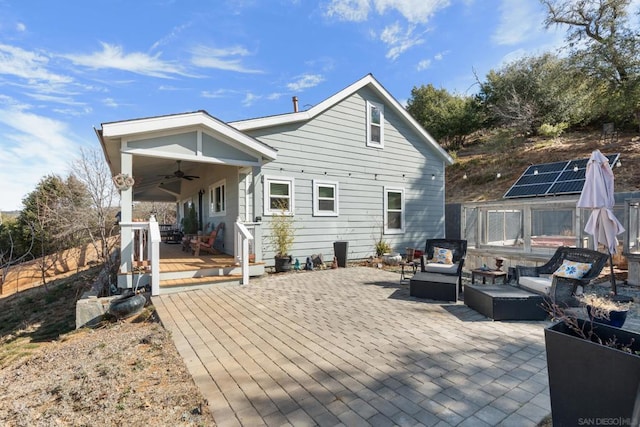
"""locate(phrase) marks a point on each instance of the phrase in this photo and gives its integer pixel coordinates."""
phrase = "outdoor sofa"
(536, 287)
(558, 288)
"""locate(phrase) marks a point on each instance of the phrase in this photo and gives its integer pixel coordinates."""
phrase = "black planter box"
(590, 383)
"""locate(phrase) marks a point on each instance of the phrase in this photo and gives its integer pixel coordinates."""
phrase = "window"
(393, 211)
(325, 198)
(278, 195)
(375, 125)
(218, 198)
(504, 227)
(553, 227)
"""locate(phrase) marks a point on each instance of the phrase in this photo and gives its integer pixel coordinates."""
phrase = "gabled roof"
(366, 81)
(128, 128)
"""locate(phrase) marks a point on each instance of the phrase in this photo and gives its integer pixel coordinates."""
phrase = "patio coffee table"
(504, 302)
(436, 286)
(488, 274)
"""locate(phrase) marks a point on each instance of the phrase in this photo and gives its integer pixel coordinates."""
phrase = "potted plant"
(281, 238)
(607, 310)
(594, 371)
(190, 221)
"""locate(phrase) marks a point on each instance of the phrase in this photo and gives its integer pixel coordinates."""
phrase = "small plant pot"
(283, 264)
(392, 259)
(616, 318)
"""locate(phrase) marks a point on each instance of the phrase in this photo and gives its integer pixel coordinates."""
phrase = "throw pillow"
(573, 269)
(442, 255)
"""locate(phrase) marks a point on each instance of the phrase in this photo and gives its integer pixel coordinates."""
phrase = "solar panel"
(551, 179)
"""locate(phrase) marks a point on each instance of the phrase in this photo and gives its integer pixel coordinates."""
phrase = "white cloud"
(415, 11)
(250, 99)
(37, 145)
(27, 65)
(519, 22)
(113, 56)
(439, 56)
(424, 64)
(219, 93)
(222, 59)
(398, 41)
(349, 10)
(305, 81)
(66, 100)
(110, 102)
(21, 27)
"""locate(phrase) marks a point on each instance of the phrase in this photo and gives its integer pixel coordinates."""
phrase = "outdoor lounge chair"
(561, 290)
(208, 245)
(458, 250)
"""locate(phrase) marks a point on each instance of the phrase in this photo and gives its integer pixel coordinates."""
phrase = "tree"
(50, 211)
(605, 47)
(448, 118)
(532, 91)
(96, 217)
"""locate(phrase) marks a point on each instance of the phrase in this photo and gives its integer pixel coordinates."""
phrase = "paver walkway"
(350, 347)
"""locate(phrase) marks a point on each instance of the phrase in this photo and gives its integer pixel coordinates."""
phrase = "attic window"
(375, 125)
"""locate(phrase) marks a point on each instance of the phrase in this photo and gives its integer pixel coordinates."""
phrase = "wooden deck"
(180, 270)
(173, 258)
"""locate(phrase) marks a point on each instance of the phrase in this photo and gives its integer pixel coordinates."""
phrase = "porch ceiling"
(197, 139)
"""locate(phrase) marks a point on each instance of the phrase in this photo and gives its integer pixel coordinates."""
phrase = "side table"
(408, 264)
(488, 274)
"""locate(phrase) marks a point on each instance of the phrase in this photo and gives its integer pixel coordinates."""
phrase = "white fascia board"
(164, 123)
(367, 80)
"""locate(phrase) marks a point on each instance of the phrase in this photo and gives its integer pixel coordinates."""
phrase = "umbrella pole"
(614, 288)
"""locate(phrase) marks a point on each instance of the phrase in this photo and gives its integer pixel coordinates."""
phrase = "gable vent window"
(375, 125)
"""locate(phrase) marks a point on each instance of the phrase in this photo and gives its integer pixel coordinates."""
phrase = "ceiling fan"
(179, 174)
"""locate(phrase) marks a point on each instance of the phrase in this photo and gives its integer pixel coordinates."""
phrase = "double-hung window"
(325, 198)
(375, 125)
(218, 199)
(393, 210)
(278, 195)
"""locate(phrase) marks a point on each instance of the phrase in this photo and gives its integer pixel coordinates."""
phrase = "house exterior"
(355, 167)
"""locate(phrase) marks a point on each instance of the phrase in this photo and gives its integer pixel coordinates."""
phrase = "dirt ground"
(510, 156)
(124, 372)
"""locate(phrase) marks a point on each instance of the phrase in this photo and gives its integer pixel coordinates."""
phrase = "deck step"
(180, 285)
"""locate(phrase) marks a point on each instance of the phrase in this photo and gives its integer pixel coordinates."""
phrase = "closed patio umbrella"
(597, 194)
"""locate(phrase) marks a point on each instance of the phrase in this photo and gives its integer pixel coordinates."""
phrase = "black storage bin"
(340, 249)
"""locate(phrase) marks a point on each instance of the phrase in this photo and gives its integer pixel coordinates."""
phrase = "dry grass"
(126, 372)
(482, 159)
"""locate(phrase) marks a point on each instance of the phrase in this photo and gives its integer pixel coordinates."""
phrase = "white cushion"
(539, 285)
(434, 267)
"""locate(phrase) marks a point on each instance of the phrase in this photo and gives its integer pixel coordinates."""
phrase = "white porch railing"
(241, 249)
(138, 262)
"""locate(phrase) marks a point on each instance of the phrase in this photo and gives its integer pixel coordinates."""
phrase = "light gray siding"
(332, 147)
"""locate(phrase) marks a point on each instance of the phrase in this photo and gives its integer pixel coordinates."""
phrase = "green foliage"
(531, 91)
(448, 118)
(282, 233)
(552, 131)
(190, 221)
(382, 247)
(605, 48)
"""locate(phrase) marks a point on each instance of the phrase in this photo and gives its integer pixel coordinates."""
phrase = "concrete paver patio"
(351, 347)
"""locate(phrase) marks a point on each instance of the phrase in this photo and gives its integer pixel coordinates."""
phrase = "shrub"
(552, 131)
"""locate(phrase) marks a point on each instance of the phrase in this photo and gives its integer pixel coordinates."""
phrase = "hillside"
(487, 155)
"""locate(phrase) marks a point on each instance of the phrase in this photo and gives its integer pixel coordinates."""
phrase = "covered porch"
(199, 163)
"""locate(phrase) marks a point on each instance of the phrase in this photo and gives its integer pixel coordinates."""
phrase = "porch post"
(126, 234)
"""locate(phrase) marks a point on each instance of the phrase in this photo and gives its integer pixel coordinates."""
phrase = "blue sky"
(68, 66)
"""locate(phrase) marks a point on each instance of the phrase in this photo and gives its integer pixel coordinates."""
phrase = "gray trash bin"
(340, 249)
